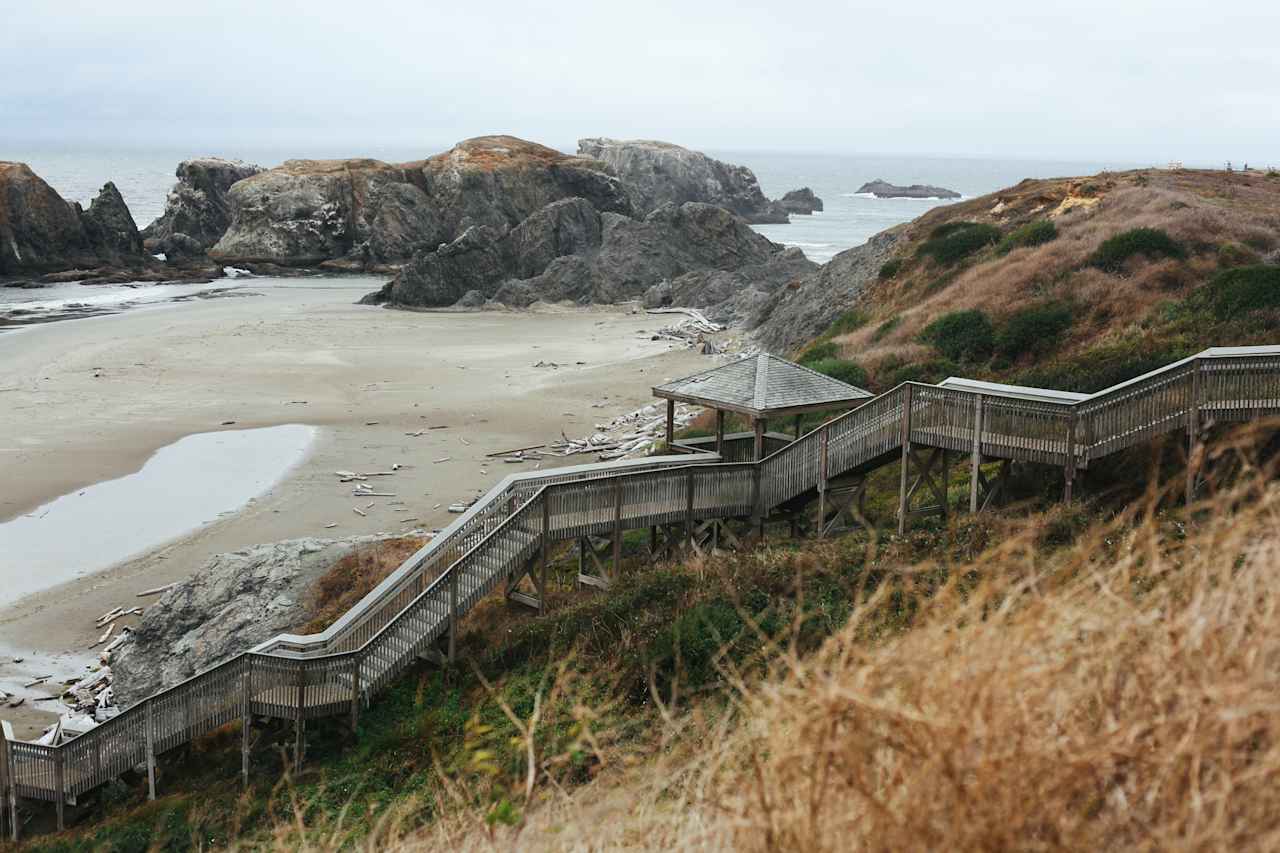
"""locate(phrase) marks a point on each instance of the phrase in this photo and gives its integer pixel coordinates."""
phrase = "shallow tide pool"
(181, 487)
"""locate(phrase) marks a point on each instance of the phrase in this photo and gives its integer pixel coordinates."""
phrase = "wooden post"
(247, 725)
(60, 783)
(905, 438)
(758, 425)
(671, 424)
(546, 552)
(151, 753)
(823, 442)
(12, 766)
(1193, 427)
(797, 428)
(617, 529)
(355, 692)
(1070, 470)
(720, 431)
(5, 781)
(688, 511)
(946, 483)
(453, 614)
(298, 722)
(975, 455)
(757, 500)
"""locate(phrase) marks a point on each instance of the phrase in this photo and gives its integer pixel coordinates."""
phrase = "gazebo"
(760, 387)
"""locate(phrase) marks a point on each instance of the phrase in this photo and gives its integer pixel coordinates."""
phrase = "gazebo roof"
(762, 386)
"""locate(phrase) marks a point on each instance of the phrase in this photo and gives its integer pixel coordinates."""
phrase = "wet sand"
(90, 400)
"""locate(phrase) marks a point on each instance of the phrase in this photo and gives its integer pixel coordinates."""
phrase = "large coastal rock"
(568, 250)
(793, 316)
(196, 213)
(658, 173)
(802, 201)
(306, 212)
(234, 602)
(884, 189)
(42, 232)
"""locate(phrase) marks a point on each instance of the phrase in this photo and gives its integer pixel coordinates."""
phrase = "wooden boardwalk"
(507, 534)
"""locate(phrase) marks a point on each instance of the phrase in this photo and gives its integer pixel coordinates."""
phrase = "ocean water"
(145, 176)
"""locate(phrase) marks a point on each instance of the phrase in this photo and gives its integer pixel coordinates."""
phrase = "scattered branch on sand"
(157, 590)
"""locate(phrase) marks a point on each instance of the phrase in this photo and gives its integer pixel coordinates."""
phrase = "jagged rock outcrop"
(41, 232)
(793, 316)
(234, 602)
(570, 251)
(306, 212)
(884, 189)
(196, 213)
(658, 173)
(802, 201)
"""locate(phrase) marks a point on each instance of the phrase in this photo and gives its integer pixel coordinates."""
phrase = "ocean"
(145, 176)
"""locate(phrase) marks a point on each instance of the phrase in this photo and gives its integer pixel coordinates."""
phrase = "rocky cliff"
(658, 173)
(42, 232)
(366, 212)
(196, 213)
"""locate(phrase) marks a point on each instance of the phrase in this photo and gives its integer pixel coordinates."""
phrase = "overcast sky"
(1149, 81)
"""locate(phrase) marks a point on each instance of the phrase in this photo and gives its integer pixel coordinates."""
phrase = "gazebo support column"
(671, 424)
(720, 431)
(758, 425)
(799, 418)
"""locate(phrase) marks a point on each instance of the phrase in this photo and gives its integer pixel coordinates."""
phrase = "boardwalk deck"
(336, 671)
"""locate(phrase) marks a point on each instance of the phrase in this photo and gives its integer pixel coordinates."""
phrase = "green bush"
(934, 370)
(958, 240)
(1105, 365)
(962, 335)
(1243, 289)
(846, 323)
(891, 268)
(885, 328)
(845, 371)
(1036, 329)
(1031, 234)
(819, 351)
(1236, 255)
(1150, 242)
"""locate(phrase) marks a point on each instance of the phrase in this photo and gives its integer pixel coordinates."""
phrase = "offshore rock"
(196, 212)
(884, 189)
(658, 173)
(802, 201)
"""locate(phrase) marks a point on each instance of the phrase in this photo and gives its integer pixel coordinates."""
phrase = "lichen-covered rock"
(234, 602)
(658, 173)
(41, 232)
(802, 201)
(793, 316)
(196, 213)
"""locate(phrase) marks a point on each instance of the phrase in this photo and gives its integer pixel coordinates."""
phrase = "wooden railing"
(337, 671)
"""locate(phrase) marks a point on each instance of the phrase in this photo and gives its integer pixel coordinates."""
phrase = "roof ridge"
(762, 381)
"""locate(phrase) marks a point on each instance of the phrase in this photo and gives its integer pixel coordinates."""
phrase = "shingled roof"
(762, 386)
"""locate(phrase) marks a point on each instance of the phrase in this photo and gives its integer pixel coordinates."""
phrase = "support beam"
(13, 787)
(246, 726)
(617, 530)
(299, 723)
(758, 451)
(60, 784)
(671, 423)
(824, 441)
(355, 692)
(905, 438)
(453, 615)
(151, 754)
(799, 418)
(1193, 429)
(720, 431)
(975, 455)
(1069, 471)
(545, 557)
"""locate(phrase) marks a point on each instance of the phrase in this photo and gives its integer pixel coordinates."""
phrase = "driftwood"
(514, 450)
(157, 590)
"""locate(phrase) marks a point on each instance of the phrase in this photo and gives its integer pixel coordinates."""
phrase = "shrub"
(933, 370)
(1105, 365)
(845, 371)
(819, 351)
(1236, 255)
(1031, 234)
(961, 335)
(1243, 289)
(958, 240)
(885, 328)
(1037, 329)
(846, 323)
(1150, 242)
(891, 268)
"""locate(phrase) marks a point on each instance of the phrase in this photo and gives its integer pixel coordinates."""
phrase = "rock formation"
(369, 213)
(793, 316)
(41, 232)
(234, 602)
(884, 189)
(196, 213)
(802, 201)
(658, 173)
(569, 250)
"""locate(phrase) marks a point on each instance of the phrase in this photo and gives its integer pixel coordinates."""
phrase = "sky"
(1144, 81)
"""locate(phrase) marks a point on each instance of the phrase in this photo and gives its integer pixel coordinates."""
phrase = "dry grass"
(352, 577)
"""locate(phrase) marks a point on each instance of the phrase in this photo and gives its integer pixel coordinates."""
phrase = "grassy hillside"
(1072, 283)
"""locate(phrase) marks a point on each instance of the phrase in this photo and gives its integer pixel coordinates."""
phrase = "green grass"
(1146, 242)
(1032, 234)
(885, 328)
(961, 335)
(955, 241)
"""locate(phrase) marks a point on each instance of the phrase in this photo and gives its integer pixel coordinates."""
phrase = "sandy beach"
(90, 400)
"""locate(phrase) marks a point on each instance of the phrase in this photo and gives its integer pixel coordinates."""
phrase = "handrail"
(338, 669)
